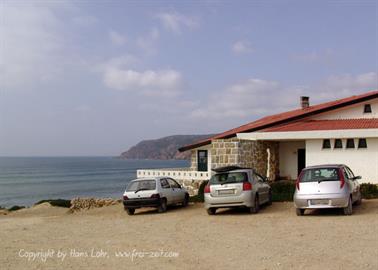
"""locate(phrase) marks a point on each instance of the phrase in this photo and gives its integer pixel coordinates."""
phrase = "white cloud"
(147, 42)
(255, 98)
(166, 82)
(116, 38)
(240, 47)
(31, 44)
(175, 22)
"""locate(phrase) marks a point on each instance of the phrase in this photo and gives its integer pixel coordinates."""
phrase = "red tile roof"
(326, 125)
(285, 117)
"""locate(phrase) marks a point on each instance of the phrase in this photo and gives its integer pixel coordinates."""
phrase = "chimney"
(305, 102)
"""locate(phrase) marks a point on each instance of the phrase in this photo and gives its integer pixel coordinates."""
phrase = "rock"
(78, 204)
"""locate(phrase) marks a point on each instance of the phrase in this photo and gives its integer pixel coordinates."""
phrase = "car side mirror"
(357, 177)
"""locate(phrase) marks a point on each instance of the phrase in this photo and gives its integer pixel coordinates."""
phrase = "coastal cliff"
(163, 148)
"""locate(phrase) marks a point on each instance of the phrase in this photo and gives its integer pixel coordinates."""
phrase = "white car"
(156, 192)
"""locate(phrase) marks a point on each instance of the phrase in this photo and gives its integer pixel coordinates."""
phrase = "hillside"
(163, 148)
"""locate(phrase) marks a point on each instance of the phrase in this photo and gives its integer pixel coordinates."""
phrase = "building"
(279, 146)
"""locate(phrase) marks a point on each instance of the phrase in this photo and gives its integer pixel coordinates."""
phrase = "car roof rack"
(229, 168)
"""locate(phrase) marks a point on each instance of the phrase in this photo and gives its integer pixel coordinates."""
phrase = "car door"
(353, 183)
(263, 188)
(166, 190)
(176, 190)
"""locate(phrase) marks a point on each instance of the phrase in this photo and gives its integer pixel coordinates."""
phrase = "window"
(320, 175)
(141, 185)
(338, 144)
(349, 172)
(164, 183)
(367, 108)
(326, 144)
(173, 183)
(202, 160)
(229, 177)
(362, 143)
(350, 143)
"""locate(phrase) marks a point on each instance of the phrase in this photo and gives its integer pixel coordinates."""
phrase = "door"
(301, 159)
(352, 183)
(177, 191)
(263, 188)
(202, 160)
(166, 190)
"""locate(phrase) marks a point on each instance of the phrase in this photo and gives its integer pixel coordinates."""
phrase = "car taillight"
(247, 186)
(207, 189)
(342, 179)
(155, 196)
(125, 197)
(298, 180)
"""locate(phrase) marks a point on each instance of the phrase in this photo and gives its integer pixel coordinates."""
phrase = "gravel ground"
(107, 238)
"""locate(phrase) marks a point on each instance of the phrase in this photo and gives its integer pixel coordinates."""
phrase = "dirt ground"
(46, 237)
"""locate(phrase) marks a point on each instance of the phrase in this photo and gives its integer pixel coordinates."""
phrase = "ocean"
(26, 180)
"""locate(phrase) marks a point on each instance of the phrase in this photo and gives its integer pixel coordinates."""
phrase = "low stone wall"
(192, 186)
(78, 204)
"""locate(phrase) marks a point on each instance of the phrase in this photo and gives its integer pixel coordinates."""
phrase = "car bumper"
(143, 202)
(321, 201)
(244, 199)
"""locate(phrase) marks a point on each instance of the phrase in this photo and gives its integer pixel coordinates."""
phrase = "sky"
(83, 78)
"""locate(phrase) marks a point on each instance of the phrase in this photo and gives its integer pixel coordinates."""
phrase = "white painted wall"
(363, 162)
(355, 111)
(289, 158)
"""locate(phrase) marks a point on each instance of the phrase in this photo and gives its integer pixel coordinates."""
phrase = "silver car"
(156, 192)
(327, 186)
(236, 187)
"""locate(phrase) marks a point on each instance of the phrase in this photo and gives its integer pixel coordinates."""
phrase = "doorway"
(301, 159)
(202, 160)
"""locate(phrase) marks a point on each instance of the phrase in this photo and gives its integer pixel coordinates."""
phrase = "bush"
(57, 202)
(200, 196)
(283, 190)
(15, 208)
(369, 191)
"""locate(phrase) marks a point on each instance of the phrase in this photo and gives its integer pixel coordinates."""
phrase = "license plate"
(226, 192)
(313, 202)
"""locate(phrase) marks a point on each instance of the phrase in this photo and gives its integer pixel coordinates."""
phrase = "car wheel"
(130, 211)
(186, 200)
(211, 211)
(270, 198)
(349, 209)
(163, 206)
(255, 209)
(299, 212)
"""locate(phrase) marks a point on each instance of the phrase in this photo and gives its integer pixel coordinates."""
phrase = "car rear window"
(320, 174)
(141, 185)
(230, 177)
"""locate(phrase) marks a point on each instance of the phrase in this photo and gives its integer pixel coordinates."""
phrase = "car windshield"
(320, 175)
(229, 177)
(141, 185)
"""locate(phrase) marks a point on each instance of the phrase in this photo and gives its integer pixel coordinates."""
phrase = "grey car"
(236, 187)
(327, 186)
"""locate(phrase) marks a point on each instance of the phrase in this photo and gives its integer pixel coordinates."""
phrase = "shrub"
(283, 190)
(200, 196)
(15, 208)
(57, 202)
(369, 191)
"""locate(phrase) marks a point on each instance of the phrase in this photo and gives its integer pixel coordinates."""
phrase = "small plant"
(283, 190)
(200, 196)
(369, 191)
(57, 202)
(15, 208)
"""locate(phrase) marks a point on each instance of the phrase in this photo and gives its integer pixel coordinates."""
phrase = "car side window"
(164, 183)
(351, 174)
(173, 183)
(259, 178)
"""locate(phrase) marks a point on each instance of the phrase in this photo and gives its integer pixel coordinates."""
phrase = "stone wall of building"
(251, 154)
(192, 186)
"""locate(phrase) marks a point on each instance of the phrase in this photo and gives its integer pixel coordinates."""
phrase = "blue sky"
(95, 77)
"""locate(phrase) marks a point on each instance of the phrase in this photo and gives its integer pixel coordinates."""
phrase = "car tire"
(349, 209)
(211, 211)
(299, 212)
(163, 206)
(256, 207)
(130, 211)
(270, 198)
(186, 200)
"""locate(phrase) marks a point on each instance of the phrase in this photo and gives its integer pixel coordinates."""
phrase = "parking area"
(275, 238)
